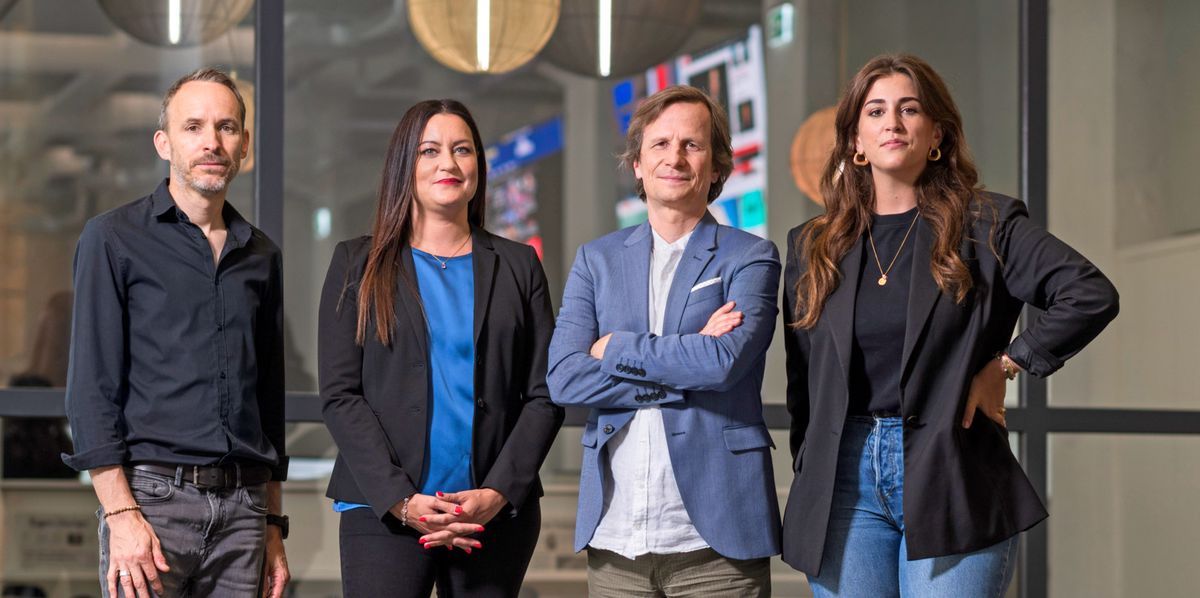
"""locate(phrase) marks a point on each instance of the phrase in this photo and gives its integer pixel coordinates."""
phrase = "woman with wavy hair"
(433, 336)
(900, 306)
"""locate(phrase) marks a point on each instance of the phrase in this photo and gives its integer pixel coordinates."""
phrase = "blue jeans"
(865, 550)
(213, 539)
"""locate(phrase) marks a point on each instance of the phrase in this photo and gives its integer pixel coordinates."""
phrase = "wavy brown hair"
(946, 190)
(393, 215)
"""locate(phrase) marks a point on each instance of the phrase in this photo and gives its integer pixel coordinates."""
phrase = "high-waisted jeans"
(865, 550)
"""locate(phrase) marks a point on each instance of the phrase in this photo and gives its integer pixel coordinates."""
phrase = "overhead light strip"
(174, 21)
(483, 33)
(605, 45)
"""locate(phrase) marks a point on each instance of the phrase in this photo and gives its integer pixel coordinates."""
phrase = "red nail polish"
(439, 494)
(427, 547)
(422, 540)
(458, 510)
(479, 529)
(421, 519)
(468, 550)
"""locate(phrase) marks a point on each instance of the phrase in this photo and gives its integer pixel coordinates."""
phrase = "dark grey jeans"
(213, 539)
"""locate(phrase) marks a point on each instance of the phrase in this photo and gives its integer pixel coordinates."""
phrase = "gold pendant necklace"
(883, 279)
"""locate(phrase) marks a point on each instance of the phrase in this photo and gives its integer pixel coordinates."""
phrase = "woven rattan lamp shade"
(811, 147)
(195, 22)
(644, 33)
(447, 30)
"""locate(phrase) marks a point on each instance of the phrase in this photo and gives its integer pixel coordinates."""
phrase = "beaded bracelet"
(122, 510)
(404, 511)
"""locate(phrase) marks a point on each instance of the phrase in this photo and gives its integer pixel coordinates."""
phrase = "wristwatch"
(280, 521)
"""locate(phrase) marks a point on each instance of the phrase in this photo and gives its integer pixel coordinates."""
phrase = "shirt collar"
(661, 244)
(165, 210)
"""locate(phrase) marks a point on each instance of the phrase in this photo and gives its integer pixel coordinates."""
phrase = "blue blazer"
(708, 388)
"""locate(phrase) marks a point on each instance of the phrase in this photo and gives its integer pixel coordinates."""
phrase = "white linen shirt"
(643, 510)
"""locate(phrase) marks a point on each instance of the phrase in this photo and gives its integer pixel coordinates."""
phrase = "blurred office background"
(1084, 108)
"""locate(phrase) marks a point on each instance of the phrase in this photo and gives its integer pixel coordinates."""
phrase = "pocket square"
(706, 283)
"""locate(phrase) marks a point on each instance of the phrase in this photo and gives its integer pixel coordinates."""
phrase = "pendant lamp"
(483, 36)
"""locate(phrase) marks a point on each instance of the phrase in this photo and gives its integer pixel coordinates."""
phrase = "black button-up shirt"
(174, 359)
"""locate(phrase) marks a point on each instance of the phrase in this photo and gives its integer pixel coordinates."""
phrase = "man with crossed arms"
(677, 495)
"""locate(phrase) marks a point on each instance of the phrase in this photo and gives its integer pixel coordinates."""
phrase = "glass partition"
(1122, 145)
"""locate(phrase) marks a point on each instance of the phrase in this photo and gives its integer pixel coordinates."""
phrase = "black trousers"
(383, 558)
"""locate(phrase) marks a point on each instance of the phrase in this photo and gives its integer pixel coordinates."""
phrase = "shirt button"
(479, 402)
(220, 327)
(222, 375)
(608, 429)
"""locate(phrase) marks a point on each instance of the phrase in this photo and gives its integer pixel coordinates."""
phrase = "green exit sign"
(780, 21)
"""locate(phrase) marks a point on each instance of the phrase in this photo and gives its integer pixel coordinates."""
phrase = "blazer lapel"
(635, 270)
(923, 293)
(840, 307)
(484, 264)
(408, 300)
(696, 256)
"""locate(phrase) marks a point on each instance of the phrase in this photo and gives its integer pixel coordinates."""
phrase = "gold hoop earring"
(860, 161)
(935, 154)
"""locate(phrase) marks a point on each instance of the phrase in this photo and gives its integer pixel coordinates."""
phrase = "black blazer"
(963, 489)
(376, 398)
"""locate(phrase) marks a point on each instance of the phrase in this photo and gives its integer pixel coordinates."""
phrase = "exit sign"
(779, 25)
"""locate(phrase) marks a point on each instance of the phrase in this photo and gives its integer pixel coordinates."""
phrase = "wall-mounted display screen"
(732, 73)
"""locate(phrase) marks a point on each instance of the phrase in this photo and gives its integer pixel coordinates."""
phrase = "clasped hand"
(450, 519)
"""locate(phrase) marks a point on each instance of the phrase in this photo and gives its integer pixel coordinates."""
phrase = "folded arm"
(695, 361)
(574, 376)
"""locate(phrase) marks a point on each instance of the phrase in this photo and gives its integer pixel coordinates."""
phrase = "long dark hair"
(392, 228)
(945, 191)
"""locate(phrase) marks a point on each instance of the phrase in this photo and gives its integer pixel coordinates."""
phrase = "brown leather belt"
(210, 476)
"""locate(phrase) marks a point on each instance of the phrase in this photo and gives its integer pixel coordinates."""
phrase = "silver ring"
(123, 573)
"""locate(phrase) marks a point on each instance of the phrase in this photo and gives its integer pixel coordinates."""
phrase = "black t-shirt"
(880, 315)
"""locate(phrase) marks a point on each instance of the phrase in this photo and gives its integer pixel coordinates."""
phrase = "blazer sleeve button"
(912, 421)
(608, 429)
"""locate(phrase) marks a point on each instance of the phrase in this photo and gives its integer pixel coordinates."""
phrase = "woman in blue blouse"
(432, 357)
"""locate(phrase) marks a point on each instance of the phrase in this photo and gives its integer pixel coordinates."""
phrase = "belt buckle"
(195, 475)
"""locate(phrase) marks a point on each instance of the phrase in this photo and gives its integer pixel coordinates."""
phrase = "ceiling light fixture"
(619, 38)
(174, 22)
(483, 30)
(484, 36)
(605, 22)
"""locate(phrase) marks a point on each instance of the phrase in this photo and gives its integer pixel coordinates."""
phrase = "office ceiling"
(79, 98)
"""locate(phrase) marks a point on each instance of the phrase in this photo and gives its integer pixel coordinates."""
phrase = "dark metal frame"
(1034, 420)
